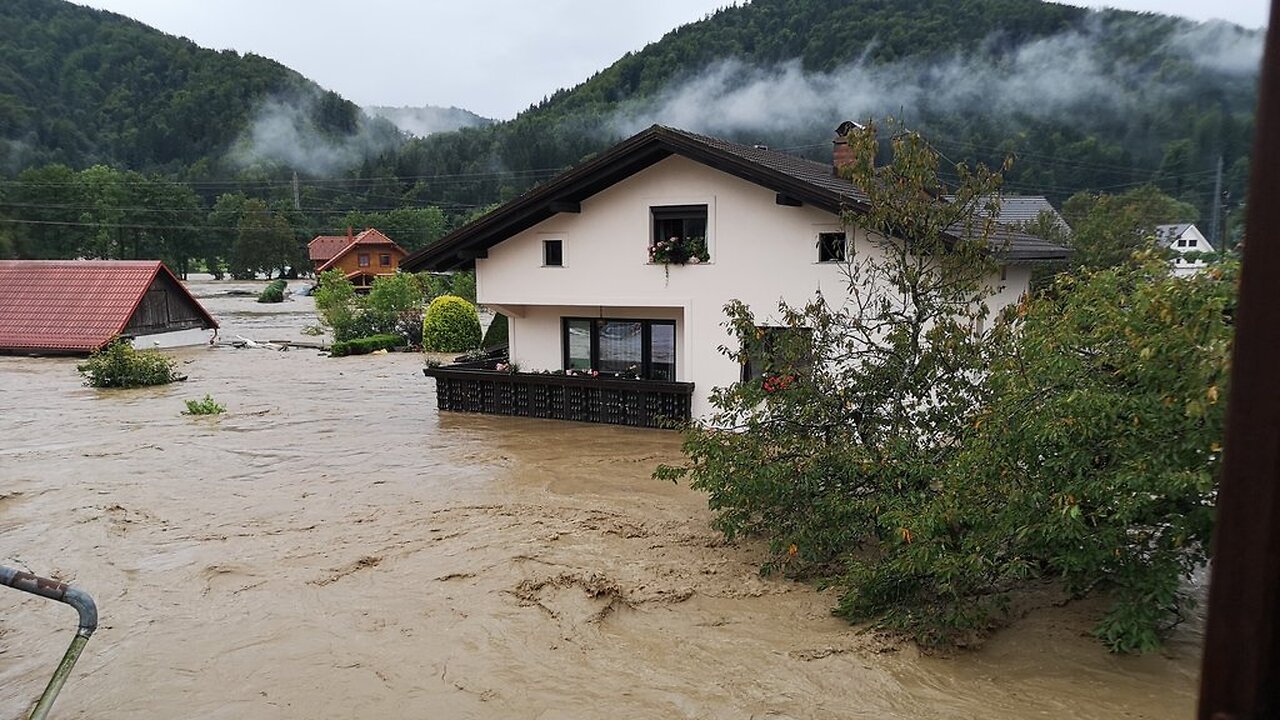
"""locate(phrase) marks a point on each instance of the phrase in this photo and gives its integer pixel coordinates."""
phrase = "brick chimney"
(841, 153)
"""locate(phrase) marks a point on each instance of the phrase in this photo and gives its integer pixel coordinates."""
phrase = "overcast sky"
(493, 57)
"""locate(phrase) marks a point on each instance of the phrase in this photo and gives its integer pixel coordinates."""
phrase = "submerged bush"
(119, 365)
(365, 345)
(204, 406)
(274, 292)
(450, 325)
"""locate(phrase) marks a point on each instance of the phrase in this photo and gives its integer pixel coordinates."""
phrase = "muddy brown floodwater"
(334, 548)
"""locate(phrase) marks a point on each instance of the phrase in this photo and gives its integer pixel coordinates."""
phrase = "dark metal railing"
(616, 401)
(76, 598)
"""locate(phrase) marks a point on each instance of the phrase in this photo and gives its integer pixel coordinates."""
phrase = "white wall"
(761, 253)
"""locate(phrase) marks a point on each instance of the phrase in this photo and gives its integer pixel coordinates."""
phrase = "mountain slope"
(1086, 99)
(80, 86)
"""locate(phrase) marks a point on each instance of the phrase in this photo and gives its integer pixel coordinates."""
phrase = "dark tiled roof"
(74, 305)
(791, 177)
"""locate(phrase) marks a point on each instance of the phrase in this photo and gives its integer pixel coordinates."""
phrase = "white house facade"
(1184, 239)
(572, 267)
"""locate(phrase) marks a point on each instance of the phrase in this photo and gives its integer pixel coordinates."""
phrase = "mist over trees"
(1100, 102)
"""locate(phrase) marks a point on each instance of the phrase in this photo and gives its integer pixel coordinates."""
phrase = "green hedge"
(497, 334)
(450, 325)
(274, 292)
(365, 345)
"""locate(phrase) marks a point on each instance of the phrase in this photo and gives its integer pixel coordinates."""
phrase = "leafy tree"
(861, 396)
(1109, 228)
(337, 305)
(1094, 460)
(450, 325)
(394, 307)
(264, 242)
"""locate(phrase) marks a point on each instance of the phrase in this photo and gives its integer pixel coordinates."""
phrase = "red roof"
(370, 237)
(324, 247)
(75, 305)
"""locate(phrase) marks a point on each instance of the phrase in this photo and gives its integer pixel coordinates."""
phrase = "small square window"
(553, 253)
(778, 350)
(831, 247)
(384, 259)
(363, 259)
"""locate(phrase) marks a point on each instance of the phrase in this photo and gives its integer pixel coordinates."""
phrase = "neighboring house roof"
(323, 247)
(1166, 235)
(369, 239)
(795, 179)
(1018, 210)
(77, 306)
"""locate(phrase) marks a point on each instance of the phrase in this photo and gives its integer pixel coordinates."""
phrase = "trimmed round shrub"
(451, 324)
(274, 292)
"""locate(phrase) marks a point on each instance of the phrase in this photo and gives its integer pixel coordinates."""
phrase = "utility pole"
(297, 194)
(1214, 234)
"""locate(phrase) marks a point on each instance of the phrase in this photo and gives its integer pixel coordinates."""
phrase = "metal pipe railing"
(76, 598)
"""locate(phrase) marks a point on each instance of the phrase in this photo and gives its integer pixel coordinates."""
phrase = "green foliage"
(119, 365)
(204, 406)
(273, 292)
(860, 400)
(497, 334)
(463, 284)
(365, 345)
(450, 324)
(1109, 228)
(337, 305)
(1094, 460)
(392, 307)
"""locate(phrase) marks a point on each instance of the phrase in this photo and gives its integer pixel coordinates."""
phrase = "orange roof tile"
(74, 305)
(324, 247)
(370, 237)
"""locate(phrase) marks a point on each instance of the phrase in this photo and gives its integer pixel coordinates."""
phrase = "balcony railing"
(641, 403)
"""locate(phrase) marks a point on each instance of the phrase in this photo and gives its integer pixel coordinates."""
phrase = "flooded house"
(362, 257)
(77, 306)
(619, 269)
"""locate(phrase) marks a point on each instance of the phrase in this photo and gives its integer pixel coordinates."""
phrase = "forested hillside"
(1085, 100)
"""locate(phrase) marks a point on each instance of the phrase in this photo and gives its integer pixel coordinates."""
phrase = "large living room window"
(637, 348)
(679, 234)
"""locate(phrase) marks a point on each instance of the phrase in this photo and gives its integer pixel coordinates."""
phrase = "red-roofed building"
(77, 306)
(364, 258)
(322, 249)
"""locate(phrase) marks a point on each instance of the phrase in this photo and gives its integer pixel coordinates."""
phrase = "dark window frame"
(660, 217)
(827, 249)
(646, 343)
(547, 244)
(363, 260)
(384, 259)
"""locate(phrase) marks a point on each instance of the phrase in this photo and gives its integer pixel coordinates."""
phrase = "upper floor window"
(553, 253)
(363, 259)
(679, 235)
(384, 259)
(832, 247)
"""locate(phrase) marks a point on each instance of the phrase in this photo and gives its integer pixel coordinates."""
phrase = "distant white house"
(577, 266)
(1183, 239)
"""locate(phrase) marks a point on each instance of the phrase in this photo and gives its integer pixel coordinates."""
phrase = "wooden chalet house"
(623, 264)
(362, 258)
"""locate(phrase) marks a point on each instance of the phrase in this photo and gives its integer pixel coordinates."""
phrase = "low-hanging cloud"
(1054, 76)
(285, 133)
